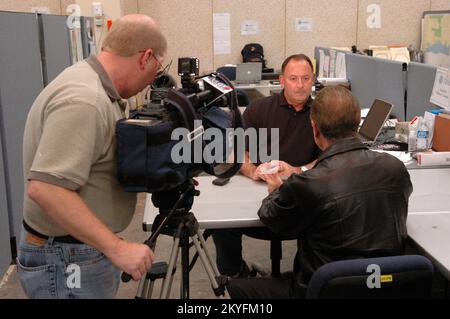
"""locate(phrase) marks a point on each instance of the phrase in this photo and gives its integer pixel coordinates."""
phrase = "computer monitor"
(248, 73)
(377, 116)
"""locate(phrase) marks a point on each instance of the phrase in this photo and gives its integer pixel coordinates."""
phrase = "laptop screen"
(248, 72)
(377, 116)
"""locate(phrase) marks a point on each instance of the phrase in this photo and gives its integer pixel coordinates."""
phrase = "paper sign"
(441, 89)
(303, 25)
(326, 66)
(222, 42)
(249, 27)
(332, 73)
(341, 71)
(321, 63)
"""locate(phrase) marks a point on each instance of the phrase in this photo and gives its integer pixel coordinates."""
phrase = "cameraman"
(73, 204)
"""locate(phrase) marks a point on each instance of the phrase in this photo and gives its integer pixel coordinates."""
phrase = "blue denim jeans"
(64, 271)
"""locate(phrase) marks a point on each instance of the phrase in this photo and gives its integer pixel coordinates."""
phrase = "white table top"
(232, 205)
(431, 190)
(236, 205)
(431, 233)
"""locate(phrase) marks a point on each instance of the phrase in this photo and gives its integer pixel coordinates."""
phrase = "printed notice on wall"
(249, 27)
(222, 42)
(441, 89)
(303, 25)
(341, 71)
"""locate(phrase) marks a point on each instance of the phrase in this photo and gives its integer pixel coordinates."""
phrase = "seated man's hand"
(267, 168)
(273, 181)
(286, 170)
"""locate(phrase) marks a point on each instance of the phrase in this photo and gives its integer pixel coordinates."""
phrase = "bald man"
(73, 204)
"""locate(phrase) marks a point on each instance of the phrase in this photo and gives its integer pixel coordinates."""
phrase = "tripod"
(182, 226)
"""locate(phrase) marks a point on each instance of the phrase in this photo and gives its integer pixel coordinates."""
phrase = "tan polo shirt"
(69, 141)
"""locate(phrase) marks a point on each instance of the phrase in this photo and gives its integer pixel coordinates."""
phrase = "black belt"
(60, 239)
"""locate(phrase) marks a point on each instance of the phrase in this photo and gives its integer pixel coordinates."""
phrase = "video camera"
(159, 149)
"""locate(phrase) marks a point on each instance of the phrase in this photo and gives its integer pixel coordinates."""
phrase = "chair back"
(408, 276)
(228, 71)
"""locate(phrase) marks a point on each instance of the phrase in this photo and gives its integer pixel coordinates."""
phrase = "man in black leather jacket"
(352, 204)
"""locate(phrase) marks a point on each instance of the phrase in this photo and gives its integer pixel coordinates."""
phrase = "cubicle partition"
(20, 83)
(5, 259)
(55, 46)
(420, 82)
(407, 86)
(374, 78)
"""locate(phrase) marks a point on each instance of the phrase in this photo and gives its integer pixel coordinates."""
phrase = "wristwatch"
(303, 169)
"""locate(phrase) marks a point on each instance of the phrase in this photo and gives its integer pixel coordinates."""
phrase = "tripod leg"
(165, 291)
(184, 289)
(208, 255)
(206, 259)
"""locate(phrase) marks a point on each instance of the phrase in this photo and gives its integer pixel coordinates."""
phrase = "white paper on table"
(341, 71)
(249, 27)
(222, 34)
(441, 89)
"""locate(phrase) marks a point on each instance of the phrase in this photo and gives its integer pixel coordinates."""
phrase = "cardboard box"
(441, 138)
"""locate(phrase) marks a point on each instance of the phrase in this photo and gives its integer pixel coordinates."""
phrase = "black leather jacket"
(352, 204)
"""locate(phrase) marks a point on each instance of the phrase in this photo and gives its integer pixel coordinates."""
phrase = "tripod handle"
(126, 277)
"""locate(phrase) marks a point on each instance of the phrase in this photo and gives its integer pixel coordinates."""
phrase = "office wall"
(270, 16)
(129, 6)
(187, 26)
(400, 22)
(440, 5)
(333, 25)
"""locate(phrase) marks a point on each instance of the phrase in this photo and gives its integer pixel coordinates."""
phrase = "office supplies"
(372, 125)
(220, 181)
(248, 73)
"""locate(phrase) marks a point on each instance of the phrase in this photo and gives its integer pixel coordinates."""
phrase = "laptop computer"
(372, 125)
(248, 73)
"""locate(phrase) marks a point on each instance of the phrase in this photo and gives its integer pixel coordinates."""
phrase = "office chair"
(408, 276)
(276, 249)
(228, 71)
(242, 97)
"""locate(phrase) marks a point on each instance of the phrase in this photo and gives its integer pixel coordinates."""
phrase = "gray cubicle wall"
(55, 38)
(326, 51)
(5, 258)
(371, 78)
(420, 82)
(20, 83)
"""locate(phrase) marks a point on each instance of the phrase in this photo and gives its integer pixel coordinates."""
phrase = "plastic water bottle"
(422, 136)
